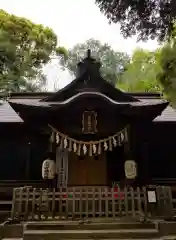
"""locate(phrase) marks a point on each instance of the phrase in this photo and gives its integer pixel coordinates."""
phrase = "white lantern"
(48, 169)
(130, 169)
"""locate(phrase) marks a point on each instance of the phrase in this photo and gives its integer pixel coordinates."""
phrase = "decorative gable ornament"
(130, 169)
(89, 122)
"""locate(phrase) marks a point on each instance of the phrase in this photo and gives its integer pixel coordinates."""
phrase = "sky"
(74, 21)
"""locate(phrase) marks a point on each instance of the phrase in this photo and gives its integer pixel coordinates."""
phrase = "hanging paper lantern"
(130, 169)
(48, 169)
(84, 149)
(65, 143)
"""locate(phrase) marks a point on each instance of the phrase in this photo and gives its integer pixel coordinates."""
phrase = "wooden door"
(96, 170)
(76, 170)
(86, 170)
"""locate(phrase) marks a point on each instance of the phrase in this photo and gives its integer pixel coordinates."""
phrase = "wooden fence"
(174, 199)
(31, 203)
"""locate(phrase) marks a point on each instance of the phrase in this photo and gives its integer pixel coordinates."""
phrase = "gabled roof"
(130, 110)
(90, 86)
(89, 79)
(7, 114)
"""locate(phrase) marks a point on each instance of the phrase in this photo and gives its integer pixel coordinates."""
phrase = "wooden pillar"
(145, 164)
(130, 151)
(127, 153)
(28, 161)
(129, 145)
(52, 143)
(52, 154)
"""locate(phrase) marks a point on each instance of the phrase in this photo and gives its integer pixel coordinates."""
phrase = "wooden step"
(90, 234)
(12, 238)
(87, 226)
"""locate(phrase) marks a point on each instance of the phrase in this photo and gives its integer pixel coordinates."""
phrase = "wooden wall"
(115, 165)
(20, 160)
(154, 149)
(21, 153)
(162, 150)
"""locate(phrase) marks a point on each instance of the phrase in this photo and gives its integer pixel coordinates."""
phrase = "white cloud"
(74, 21)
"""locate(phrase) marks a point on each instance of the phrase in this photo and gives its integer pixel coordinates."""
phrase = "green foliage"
(141, 73)
(167, 74)
(147, 18)
(25, 48)
(113, 63)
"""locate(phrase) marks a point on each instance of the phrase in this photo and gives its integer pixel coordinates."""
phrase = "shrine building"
(95, 133)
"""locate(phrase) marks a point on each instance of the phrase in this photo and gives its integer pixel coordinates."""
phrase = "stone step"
(169, 237)
(75, 225)
(12, 231)
(12, 238)
(162, 238)
(108, 239)
(91, 234)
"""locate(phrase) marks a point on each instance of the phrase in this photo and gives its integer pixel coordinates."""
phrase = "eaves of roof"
(8, 115)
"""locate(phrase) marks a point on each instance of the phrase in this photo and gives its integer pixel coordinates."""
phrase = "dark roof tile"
(168, 114)
(7, 114)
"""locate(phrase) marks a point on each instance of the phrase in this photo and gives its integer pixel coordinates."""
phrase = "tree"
(25, 48)
(113, 63)
(147, 18)
(141, 73)
(167, 74)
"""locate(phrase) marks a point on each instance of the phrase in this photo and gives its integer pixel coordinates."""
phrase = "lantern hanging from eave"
(130, 169)
(48, 169)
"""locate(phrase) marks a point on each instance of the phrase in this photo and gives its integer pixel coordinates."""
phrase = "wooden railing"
(32, 203)
(174, 199)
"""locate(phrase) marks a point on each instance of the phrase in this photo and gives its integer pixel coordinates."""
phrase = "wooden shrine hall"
(95, 133)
